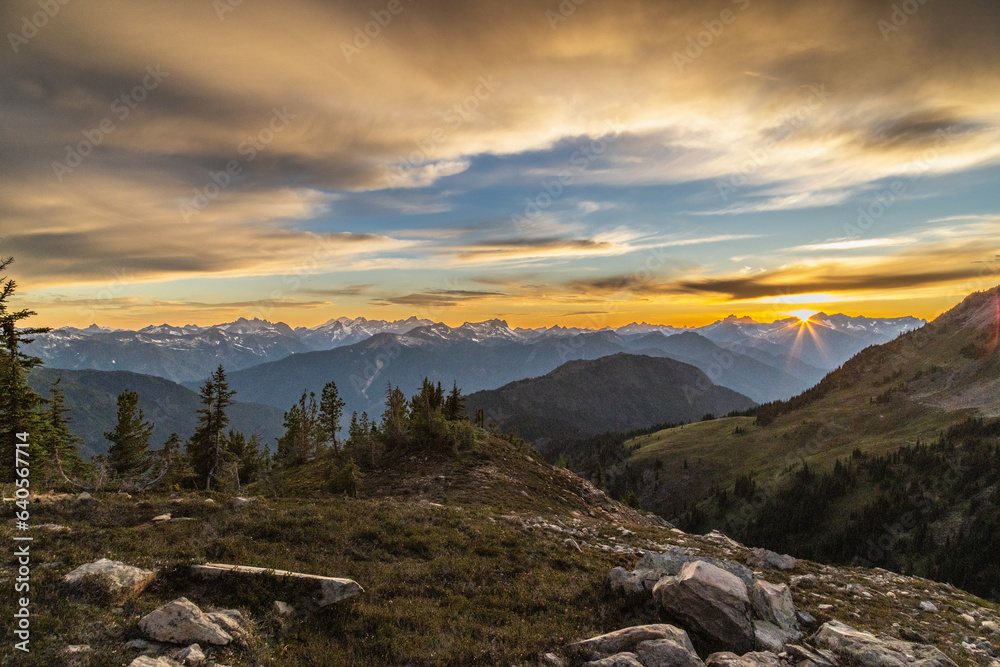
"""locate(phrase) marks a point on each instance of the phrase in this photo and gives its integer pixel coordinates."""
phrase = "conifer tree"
(19, 404)
(454, 405)
(302, 432)
(206, 447)
(331, 409)
(62, 445)
(394, 418)
(129, 451)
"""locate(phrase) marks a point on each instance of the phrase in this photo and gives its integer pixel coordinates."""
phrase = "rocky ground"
(452, 572)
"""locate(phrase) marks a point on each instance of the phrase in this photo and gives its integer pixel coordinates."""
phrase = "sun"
(803, 315)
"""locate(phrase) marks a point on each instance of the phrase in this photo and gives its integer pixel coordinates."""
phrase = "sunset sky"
(588, 163)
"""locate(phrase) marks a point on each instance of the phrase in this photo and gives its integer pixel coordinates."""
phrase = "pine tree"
(394, 418)
(207, 446)
(454, 405)
(301, 440)
(128, 454)
(19, 404)
(62, 446)
(331, 409)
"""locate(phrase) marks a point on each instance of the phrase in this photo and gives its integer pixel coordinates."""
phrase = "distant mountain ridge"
(91, 403)
(620, 393)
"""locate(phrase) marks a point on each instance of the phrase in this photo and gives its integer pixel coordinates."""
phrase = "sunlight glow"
(803, 315)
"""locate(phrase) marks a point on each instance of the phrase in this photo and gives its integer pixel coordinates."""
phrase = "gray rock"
(192, 655)
(554, 660)
(283, 608)
(654, 566)
(805, 619)
(801, 654)
(182, 622)
(146, 661)
(768, 560)
(329, 589)
(83, 497)
(230, 620)
(621, 580)
(667, 653)
(804, 581)
(622, 641)
(863, 649)
(728, 659)
(769, 637)
(571, 543)
(617, 660)
(711, 603)
(113, 577)
(928, 606)
(161, 517)
(773, 603)
(240, 501)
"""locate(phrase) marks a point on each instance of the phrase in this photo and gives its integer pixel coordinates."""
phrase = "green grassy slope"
(886, 396)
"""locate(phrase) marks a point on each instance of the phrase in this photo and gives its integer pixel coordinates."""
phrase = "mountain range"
(765, 361)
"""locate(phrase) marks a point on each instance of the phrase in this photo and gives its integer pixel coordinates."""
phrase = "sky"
(577, 163)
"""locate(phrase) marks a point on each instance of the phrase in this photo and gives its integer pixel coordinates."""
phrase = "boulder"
(654, 566)
(667, 653)
(84, 497)
(711, 603)
(863, 649)
(763, 559)
(116, 579)
(329, 589)
(804, 657)
(617, 660)
(758, 659)
(240, 501)
(769, 637)
(182, 622)
(146, 661)
(626, 640)
(621, 580)
(283, 608)
(773, 603)
(192, 655)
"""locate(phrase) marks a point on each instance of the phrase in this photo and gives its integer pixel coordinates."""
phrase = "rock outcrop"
(116, 579)
(862, 649)
(711, 603)
(628, 641)
(182, 622)
(329, 589)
